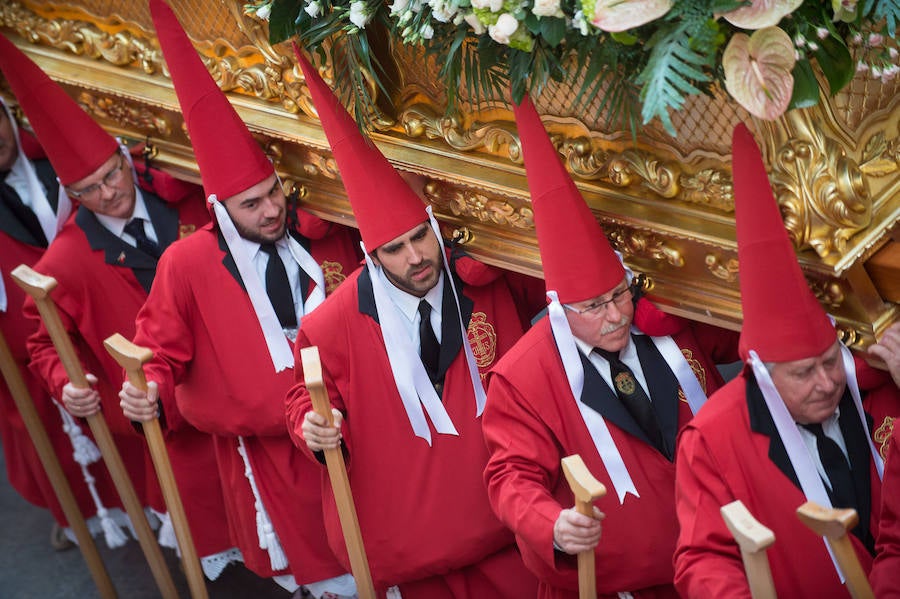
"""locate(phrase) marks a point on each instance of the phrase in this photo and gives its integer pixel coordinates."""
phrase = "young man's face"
(258, 213)
(108, 190)
(9, 149)
(811, 388)
(412, 261)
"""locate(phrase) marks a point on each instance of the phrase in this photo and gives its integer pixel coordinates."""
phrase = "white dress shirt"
(408, 306)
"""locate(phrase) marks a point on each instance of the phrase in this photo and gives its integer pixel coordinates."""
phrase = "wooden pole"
(337, 472)
(753, 538)
(586, 489)
(39, 287)
(132, 358)
(52, 467)
(833, 524)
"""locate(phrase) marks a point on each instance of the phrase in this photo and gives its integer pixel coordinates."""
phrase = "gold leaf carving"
(659, 177)
(643, 244)
(881, 156)
(829, 293)
(470, 203)
(824, 198)
(709, 186)
(727, 270)
(126, 114)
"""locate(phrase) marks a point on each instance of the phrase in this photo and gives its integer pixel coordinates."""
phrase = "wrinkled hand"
(574, 532)
(137, 405)
(888, 351)
(81, 402)
(318, 435)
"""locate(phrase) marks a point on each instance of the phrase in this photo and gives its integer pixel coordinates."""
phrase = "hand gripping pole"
(132, 358)
(586, 489)
(337, 472)
(39, 287)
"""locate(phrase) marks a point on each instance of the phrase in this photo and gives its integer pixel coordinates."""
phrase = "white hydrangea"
(547, 8)
(505, 26)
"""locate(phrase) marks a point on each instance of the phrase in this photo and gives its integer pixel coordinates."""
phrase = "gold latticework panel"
(862, 97)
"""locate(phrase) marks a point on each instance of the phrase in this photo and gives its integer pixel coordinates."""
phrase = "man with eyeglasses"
(104, 259)
(606, 376)
(792, 427)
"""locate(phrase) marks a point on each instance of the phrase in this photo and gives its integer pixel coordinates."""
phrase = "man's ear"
(374, 256)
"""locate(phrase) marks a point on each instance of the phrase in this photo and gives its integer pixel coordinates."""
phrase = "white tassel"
(114, 535)
(84, 450)
(166, 536)
(268, 538)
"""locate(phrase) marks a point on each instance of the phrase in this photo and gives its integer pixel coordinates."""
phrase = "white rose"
(476, 25)
(505, 26)
(427, 32)
(481, 4)
(313, 9)
(358, 14)
(495, 5)
(398, 6)
(546, 8)
(442, 12)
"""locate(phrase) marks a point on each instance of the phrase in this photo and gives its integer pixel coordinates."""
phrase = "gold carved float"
(666, 203)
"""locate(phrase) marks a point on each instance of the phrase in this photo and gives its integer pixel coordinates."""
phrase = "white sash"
(277, 343)
(810, 482)
(413, 385)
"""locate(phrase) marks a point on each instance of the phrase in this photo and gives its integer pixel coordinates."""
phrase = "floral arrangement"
(643, 56)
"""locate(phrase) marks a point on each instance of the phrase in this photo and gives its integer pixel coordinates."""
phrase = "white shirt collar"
(116, 225)
(407, 303)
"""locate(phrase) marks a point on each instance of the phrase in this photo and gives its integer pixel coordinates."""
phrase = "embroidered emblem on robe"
(696, 368)
(185, 230)
(882, 435)
(334, 275)
(625, 383)
(483, 339)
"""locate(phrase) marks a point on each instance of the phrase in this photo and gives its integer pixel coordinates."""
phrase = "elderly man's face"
(108, 190)
(259, 212)
(811, 388)
(412, 261)
(9, 149)
(604, 321)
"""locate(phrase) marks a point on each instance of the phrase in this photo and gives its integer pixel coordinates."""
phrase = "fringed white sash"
(268, 538)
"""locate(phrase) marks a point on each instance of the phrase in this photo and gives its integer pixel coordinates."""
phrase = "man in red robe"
(559, 391)
(404, 344)
(790, 428)
(102, 271)
(221, 325)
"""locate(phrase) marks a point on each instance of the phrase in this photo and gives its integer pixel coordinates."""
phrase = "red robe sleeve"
(885, 575)
(707, 560)
(45, 362)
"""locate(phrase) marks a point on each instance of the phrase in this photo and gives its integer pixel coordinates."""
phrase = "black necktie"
(842, 493)
(23, 213)
(635, 400)
(278, 287)
(135, 228)
(430, 349)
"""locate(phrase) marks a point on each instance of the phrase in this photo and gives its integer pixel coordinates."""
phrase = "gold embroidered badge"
(483, 339)
(334, 275)
(882, 435)
(625, 383)
(697, 369)
(185, 230)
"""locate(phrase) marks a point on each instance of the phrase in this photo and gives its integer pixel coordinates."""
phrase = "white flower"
(476, 25)
(875, 39)
(398, 6)
(813, 46)
(505, 26)
(822, 33)
(358, 14)
(875, 71)
(480, 4)
(264, 11)
(496, 5)
(427, 32)
(579, 23)
(893, 53)
(314, 9)
(441, 11)
(861, 67)
(547, 8)
(889, 73)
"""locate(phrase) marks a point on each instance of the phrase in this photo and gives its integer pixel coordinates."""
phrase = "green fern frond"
(889, 10)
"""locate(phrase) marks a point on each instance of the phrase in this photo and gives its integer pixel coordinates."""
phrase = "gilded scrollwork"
(708, 186)
(726, 270)
(82, 38)
(823, 196)
(127, 114)
(881, 155)
(421, 120)
(658, 176)
(643, 244)
(469, 203)
(830, 293)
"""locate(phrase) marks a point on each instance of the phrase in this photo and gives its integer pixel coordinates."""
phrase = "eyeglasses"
(597, 308)
(91, 192)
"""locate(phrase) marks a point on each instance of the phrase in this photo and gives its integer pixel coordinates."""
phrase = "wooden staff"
(61, 488)
(337, 472)
(132, 358)
(833, 524)
(39, 287)
(586, 489)
(753, 538)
